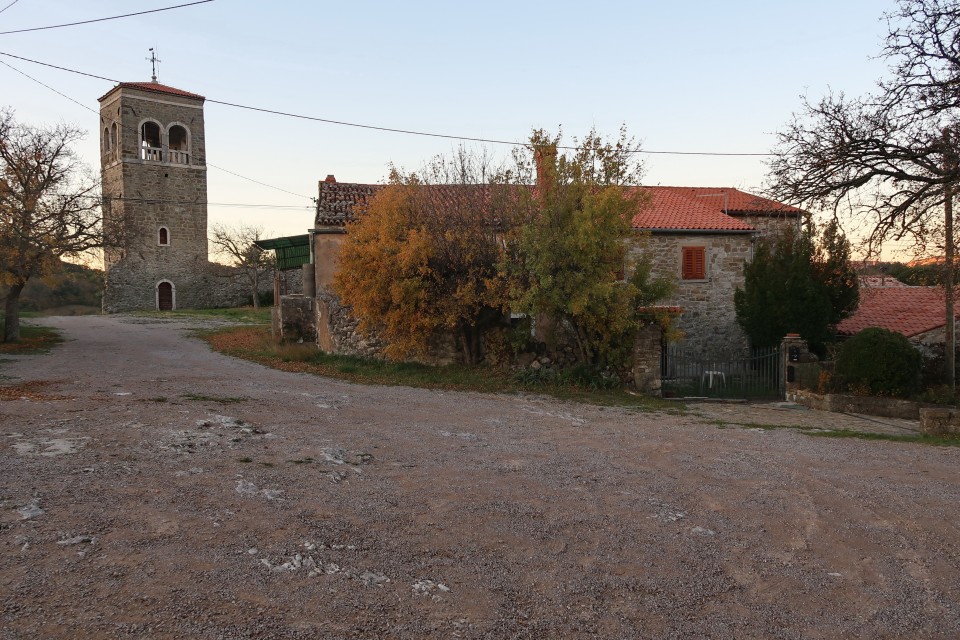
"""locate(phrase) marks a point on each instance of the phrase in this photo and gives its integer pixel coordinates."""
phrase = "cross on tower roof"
(154, 61)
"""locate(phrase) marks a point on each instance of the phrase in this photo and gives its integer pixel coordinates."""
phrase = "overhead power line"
(9, 5)
(343, 123)
(74, 24)
(239, 205)
(209, 164)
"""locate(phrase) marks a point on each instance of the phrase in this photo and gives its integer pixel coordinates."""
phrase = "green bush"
(879, 362)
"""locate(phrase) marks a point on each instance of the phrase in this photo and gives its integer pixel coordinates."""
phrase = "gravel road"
(152, 488)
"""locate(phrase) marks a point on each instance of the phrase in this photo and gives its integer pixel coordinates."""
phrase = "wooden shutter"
(694, 263)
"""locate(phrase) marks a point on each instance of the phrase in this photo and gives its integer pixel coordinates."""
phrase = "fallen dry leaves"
(29, 391)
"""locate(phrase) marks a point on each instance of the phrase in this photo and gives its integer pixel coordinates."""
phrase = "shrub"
(879, 362)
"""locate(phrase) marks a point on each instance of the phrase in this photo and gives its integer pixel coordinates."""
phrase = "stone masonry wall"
(708, 319)
(769, 225)
(337, 330)
(647, 351)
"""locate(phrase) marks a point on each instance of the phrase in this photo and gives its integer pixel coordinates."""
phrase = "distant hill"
(74, 286)
(917, 273)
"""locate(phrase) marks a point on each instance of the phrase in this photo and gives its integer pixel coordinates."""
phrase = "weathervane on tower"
(154, 61)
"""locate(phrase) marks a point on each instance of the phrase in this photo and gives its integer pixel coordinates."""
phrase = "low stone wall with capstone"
(867, 405)
(940, 421)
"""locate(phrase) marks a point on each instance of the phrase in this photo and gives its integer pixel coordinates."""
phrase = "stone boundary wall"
(336, 330)
(940, 422)
(868, 405)
(294, 319)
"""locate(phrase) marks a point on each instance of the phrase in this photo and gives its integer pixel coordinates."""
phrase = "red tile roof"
(906, 310)
(736, 202)
(672, 208)
(154, 87)
(337, 200)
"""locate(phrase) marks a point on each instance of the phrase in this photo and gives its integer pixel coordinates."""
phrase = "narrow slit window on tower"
(106, 140)
(163, 237)
(114, 139)
(151, 147)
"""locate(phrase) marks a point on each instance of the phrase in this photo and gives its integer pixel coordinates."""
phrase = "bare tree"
(890, 157)
(236, 245)
(49, 207)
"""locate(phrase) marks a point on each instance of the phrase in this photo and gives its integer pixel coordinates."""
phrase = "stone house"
(699, 237)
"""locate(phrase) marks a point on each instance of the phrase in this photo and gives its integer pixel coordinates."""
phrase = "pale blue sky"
(683, 76)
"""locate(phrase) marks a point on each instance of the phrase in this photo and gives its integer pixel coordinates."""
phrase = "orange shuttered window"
(694, 261)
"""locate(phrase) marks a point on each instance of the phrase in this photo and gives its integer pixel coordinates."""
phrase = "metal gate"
(756, 374)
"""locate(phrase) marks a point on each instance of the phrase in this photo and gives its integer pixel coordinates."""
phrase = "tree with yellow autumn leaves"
(459, 245)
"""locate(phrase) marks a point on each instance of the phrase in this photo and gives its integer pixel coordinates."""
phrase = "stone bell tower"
(153, 164)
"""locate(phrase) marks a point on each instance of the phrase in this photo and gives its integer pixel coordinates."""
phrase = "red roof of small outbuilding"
(907, 310)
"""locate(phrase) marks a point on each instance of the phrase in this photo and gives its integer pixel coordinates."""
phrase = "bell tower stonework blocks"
(153, 164)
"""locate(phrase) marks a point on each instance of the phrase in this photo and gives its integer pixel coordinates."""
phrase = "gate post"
(793, 351)
(647, 353)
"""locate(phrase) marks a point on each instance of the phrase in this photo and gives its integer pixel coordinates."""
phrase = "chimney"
(330, 178)
(545, 156)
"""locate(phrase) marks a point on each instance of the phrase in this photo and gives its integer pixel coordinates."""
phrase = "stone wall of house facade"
(708, 318)
(769, 225)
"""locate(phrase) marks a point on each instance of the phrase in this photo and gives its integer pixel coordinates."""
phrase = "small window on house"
(694, 263)
(163, 237)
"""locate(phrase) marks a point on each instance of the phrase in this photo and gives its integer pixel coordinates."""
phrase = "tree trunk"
(11, 324)
(950, 340)
(255, 285)
(466, 341)
(582, 350)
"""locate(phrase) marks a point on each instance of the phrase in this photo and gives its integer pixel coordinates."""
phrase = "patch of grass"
(256, 344)
(937, 441)
(301, 461)
(157, 399)
(202, 397)
(265, 464)
(33, 340)
(244, 459)
(239, 315)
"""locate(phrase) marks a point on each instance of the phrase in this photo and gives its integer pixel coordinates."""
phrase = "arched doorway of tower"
(166, 296)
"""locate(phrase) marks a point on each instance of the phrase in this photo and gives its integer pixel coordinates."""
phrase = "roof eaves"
(662, 230)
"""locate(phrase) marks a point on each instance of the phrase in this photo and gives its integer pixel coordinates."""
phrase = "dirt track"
(157, 489)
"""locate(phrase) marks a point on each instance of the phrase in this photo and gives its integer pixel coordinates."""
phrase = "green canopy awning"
(291, 252)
